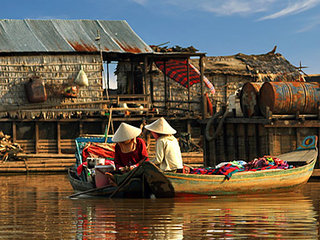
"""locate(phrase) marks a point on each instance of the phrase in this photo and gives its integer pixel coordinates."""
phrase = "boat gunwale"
(241, 176)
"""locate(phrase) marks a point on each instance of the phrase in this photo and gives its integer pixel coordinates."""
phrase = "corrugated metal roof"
(69, 36)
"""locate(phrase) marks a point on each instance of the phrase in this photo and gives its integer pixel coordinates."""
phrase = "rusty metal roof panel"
(84, 31)
(69, 36)
(125, 37)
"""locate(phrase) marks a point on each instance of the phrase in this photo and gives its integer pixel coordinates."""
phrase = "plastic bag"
(82, 79)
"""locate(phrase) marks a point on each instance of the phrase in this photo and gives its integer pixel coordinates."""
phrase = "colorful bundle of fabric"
(97, 150)
(258, 164)
(227, 170)
(267, 162)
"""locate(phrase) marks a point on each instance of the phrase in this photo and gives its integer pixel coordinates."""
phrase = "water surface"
(38, 207)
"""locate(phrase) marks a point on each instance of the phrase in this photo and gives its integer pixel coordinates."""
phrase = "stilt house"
(52, 78)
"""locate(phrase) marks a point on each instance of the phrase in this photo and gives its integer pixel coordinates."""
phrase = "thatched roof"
(269, 64)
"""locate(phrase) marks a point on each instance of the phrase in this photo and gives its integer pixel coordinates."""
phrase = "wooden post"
(226, 90)
(206, 146)
(37, 137)
(201, 86)
(225, 142)
(165, 88)
(151, 83)
(210, 147)
(258, 147)
(235, 141)
(270, 140)
(246, 142)
(131, 90)
(58, 137)
(108, 80)
(80, 128)
(214, 152)
(318, 147)
(145, 79)
(318, 136)
(14, 131)
(298, 138)
(188, 77)
(188, 126)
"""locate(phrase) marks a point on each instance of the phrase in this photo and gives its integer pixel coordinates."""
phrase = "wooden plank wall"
(246, 141)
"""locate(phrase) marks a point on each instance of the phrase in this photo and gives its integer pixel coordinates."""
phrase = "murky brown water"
(37, 207)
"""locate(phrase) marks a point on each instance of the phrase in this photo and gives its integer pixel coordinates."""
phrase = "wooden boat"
(251, 182)
(148, 181)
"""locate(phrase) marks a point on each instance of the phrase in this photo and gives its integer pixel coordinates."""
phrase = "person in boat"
(168, 155)
(129, 149)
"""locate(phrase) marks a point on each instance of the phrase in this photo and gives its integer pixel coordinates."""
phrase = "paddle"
(126, 180)
(89, 191)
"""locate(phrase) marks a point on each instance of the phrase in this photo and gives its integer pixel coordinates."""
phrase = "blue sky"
(216, 27)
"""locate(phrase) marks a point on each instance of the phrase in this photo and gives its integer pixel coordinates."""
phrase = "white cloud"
(311, 23)
(271, 8)
(141, 2)
(231, 7)
(293, 8)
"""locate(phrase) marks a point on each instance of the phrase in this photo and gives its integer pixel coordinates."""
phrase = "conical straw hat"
(126, 132)
(161, 126)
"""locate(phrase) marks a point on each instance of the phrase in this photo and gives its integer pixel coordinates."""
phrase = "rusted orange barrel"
(289, 97)
(249, 99)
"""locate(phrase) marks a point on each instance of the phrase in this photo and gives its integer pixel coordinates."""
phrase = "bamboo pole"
(21, 170)
(36, 163)
(45, 155)
(203, 110)
(188, 77)
(165, 88)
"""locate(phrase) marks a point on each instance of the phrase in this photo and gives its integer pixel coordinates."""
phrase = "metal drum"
(289, 97)
(249, 99)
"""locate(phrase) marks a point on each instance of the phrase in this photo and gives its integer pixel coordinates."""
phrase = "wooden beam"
(294, 124)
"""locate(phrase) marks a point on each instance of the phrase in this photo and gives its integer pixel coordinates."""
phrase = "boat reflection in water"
(38, 207)
(285, 216)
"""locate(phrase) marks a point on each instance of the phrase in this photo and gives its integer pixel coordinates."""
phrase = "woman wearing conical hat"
(130, 149)
(168, 154)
